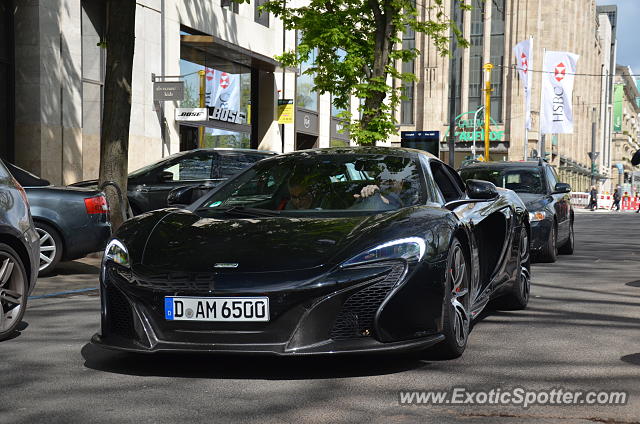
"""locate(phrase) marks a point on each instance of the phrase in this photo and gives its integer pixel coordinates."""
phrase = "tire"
(456, 315)
(50, 248)
(549, 252)
(518, 298)
(567, 247)
(14, 291)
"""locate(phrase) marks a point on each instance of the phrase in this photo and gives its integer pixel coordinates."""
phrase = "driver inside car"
(382, 196)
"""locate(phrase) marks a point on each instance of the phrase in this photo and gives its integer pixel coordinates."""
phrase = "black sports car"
(319, 251)
(547, 200)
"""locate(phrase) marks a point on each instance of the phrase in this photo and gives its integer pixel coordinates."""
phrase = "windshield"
(304, 184)
(518, 180)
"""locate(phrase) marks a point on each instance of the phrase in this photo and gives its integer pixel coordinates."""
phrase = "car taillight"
(96, 204)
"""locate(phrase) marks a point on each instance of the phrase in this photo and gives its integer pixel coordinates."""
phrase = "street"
(580, 332)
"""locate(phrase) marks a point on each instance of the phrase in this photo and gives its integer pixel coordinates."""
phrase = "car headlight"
(410, 249)
(117, 252)
(537, 216)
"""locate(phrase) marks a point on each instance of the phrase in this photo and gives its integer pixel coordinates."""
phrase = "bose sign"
(191, 114)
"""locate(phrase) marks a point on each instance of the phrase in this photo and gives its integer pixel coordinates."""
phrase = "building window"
(475, 55)
(408, 87)
(497, 57)
(306, 97)
(231, 5)
(455, 69)
(259, 16)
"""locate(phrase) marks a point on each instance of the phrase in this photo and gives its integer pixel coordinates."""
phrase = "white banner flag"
(523, 52)
(223, 89)
(559, 70)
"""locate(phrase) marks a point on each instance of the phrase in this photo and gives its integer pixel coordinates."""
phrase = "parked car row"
(42, 224)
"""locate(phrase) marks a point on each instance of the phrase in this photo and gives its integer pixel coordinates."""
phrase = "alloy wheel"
(12, 292)
(459, 296)
(48, 248)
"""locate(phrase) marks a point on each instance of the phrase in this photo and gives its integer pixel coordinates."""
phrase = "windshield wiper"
(243, 211)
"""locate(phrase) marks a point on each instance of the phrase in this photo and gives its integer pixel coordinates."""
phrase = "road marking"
(42, 296)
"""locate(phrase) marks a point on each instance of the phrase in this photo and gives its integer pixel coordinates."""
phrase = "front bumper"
(307, 320)
(540, 234)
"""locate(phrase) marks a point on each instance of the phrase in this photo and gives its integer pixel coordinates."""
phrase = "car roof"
(371, 150)
(504, 164)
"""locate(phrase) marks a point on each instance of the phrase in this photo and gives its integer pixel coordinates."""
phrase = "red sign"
(224, 80)
(524, 63)
(560, 71)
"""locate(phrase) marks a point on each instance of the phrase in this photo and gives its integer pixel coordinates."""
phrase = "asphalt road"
(581, 332)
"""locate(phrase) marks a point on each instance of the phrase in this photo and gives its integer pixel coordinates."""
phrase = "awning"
(213, 52)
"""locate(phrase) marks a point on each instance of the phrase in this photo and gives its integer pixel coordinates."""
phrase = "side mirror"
(562, 188)
(181, 196)
(481, 190)
(635, 160)
(166, 176)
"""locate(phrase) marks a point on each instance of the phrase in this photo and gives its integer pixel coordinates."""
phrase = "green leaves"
(354, 48)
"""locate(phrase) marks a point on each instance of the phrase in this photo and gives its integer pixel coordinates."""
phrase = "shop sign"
(466, 131)
(168, 91)
(285, 111)
(227, 115)
(191, 114)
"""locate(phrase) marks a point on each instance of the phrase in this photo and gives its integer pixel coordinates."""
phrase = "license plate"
(239, 309)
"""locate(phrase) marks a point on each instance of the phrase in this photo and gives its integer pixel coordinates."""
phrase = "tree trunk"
(116, 115)
(384, 31)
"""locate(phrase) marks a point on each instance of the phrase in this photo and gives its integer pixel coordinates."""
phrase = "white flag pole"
(541, 154)
(526, 115)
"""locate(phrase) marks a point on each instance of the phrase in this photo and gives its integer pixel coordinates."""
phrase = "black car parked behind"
(547, 200)
(148, 187)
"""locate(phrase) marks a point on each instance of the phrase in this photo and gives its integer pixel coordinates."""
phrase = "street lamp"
(475, 121)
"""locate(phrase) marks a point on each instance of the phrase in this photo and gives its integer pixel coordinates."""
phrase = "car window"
(335, 182)
(447, 184)
(196, 167)
(527, 180)
(553, 180)
(229, 164)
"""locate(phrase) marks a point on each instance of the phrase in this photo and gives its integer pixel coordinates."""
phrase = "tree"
(116, 114)
(356, 45)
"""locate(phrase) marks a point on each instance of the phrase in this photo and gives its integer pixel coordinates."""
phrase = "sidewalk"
(581, 209)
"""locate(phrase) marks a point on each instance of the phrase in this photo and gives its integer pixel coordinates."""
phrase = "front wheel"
(549, 251)
(567, 247)
(457, 319)
(13, 290)
(518, 298)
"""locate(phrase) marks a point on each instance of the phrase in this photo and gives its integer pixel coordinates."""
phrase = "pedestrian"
(593, 198)
(616, 198)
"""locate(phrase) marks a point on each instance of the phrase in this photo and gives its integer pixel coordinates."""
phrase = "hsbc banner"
(523, 52)
(559, 70)
(223, 89)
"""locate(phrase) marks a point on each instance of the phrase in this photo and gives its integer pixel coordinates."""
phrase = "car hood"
(186, 241)
(534, 202)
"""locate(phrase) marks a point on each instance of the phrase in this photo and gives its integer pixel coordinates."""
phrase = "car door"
(190, 169)
(491, 223)
(561, 205)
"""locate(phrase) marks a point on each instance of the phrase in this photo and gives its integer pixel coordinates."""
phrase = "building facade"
(493, 28)
(625, 126)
